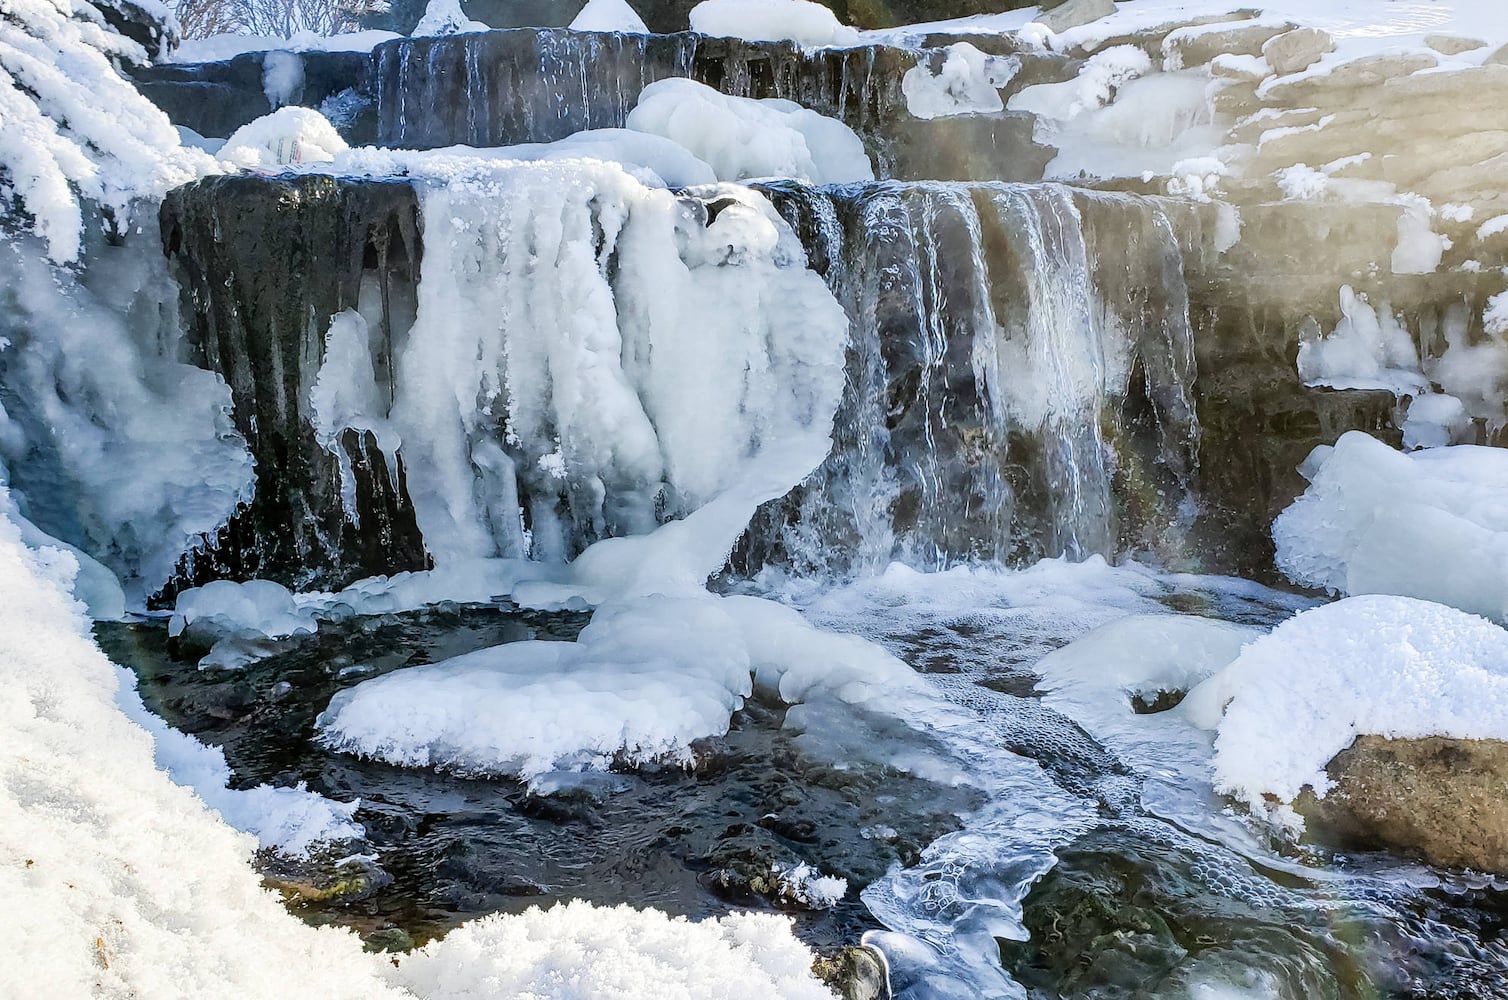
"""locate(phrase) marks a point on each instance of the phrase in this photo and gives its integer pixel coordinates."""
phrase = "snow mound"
(609, 15)
(1387, 666)
(800, 21)
(1431, 524)
(445, 17)
(968, 82)
(286, 136)
(742, 138)
(634, 955)
(72, 129)
(254, 609)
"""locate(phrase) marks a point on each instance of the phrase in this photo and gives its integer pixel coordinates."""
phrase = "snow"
(1368, 349)
(72, 130)
(576, 951)
(286, 136)
(609, 15)
(805, 885)
(743, 138)
(218, 48)
(445, 17)
(1096, 84)
(1430, 524)
(1388, 666)
(801, 21)
(1493, 226)
(968, 82)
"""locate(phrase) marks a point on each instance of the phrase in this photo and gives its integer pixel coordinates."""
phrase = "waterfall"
(1019, 385)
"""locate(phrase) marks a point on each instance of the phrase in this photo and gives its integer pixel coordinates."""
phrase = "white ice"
(968, 82)
(1430, 524)
(743, 138)
(286, 136)
(1369, 348)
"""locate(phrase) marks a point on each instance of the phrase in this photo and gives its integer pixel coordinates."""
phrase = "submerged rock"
(1443, 798)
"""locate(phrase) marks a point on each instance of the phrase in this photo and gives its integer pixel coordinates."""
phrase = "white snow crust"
(1388, 666)
(743, 138)
(1430, 524)
(801, 21)
(284, 137)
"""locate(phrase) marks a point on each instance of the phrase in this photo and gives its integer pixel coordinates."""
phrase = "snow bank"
(800, 21)
(72, 130)
(968, 82)
(743, 138)
(576, 951)
(287, 136)
(117, 881)
(1431, 524)
(609, 15)
(1388, 666)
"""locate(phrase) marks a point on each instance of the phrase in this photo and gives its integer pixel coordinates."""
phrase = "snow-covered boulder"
(800, 21)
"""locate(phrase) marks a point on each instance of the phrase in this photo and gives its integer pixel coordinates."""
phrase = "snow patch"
(968, 82)
(609, 15)
(800, 21)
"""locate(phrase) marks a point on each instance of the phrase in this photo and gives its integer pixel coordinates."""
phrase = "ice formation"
(286, 136)
(445, 17)
(743, 138)
(1389, 666)
(968, 82)
(801, 21)
(1368, 349)
(111, 444)
(1431, 524)
(254, 608)
(609, 15)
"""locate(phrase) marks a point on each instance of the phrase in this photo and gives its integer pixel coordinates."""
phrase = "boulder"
(854, 974)
(1453, 45)
(1443, 799)
(1076, 12)
(1190, 47)
(1297, 50)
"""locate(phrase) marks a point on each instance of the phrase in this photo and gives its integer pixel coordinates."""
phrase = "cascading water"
(1005, 350)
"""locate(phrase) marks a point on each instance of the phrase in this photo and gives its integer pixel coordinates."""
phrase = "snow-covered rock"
(287, 136)
(609, 15)
(800, 21)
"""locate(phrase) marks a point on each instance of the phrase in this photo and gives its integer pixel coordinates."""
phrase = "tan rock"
(1453, 45)
(1076, 12)
(1228, 67)
(1330, 89)
(1297, 50)
(1441, 798)
(1188, 48)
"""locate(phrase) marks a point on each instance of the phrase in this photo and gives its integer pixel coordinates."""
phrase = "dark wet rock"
(325, 878)
(158, 37)
(1000, 146)
(854, 974)
(394, 939)
(264, 263)
(1443, 799)
(214, 99)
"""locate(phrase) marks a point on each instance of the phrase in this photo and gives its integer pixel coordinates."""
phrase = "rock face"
(1297, 50)
(1444, 799)
(1076, 12)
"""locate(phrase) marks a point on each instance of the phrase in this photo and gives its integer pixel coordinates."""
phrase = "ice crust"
(801, 21)
(1430, 524)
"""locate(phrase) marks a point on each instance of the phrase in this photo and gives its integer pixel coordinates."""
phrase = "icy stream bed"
(997, 849)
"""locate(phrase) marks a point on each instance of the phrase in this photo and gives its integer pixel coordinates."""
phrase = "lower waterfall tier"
(1032, 370)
